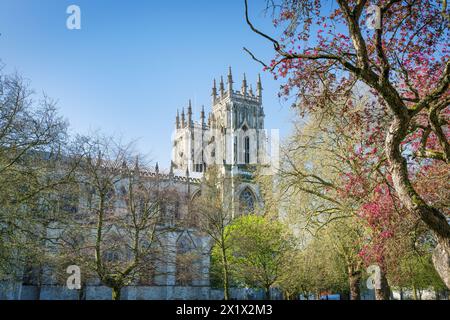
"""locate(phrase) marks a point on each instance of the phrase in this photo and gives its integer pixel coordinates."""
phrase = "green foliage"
(410, 265)
(420, 273)
(259, 249)
(321, 265)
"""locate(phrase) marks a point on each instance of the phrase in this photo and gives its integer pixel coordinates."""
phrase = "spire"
(244, 86)
(189, 114)
(259, 87)
(230, 81)
(250, 91)
(190, 107)
(183, 122)
(221, 87)
(214, 92)
(202, 115)
(157, 168)
(178, 119)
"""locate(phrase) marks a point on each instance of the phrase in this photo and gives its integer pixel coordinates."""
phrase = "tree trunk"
(432, 217)
(354, 278)
(226, 289)
(82, 292)
(116, 293)
(267, 293)
(383, 292)
(441, 260)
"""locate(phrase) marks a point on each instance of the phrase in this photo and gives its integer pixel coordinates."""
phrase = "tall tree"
(334, 170)
(33, 147)
(399, 50)
(259, 250)
(318, 268)
(212, 213)
(120, 221)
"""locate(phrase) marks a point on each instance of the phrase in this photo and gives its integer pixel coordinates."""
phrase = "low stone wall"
(11, 291)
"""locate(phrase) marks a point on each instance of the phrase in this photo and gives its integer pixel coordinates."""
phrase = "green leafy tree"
(259, 251)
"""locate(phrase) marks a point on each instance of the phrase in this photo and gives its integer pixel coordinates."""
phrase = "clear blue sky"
(134, 63)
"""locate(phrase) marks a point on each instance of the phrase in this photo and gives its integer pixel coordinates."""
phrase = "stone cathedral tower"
(232, 137)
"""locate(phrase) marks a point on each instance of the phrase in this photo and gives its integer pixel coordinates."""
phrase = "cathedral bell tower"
(232, 137)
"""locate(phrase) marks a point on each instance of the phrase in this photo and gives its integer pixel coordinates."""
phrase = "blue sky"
(134, 63)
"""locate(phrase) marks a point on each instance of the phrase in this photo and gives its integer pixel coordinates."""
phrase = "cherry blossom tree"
(399, 50)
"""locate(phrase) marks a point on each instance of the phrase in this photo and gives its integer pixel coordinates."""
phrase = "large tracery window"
(185, 266)
(246, 201)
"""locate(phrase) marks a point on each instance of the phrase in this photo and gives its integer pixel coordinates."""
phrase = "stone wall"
(11, 291)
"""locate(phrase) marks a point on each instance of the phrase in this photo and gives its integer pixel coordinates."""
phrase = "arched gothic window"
(184, 262)
(246, 201)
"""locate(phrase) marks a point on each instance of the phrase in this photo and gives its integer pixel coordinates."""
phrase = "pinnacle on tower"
(250, 91)
(259, 87)
(189, 107)
(244, 86)
(178, 119)
(214, 92)
(183, 118)
(230, 81)
(202, 115)
(221, 87)
(189, 114)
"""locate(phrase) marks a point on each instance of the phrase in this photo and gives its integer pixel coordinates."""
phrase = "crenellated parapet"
(168, 176)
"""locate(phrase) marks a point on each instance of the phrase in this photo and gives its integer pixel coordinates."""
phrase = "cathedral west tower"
(232, 136)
